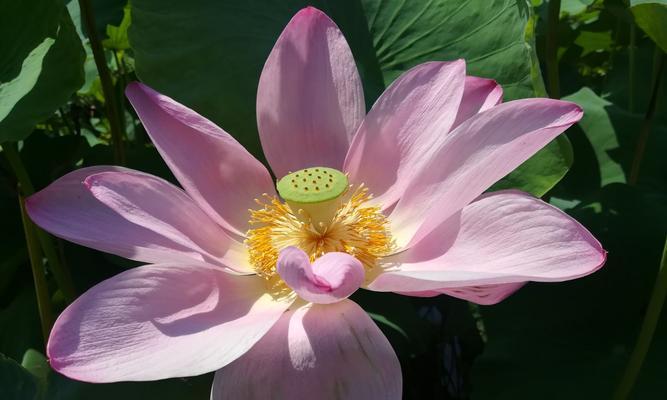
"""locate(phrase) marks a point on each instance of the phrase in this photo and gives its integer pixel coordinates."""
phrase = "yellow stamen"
(356, 228)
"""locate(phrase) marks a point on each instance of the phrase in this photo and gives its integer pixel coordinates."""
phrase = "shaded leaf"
(612, 134)
(44, 30)
(543, 171)
(493, 37)
(35, 363)
(117, 35)
(13, 91)
(651, 16)
(594, 42)
(16, 383)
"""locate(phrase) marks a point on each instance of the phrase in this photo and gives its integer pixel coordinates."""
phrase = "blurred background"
(63, 69)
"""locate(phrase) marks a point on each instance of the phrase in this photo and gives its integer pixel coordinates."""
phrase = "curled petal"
(479, 95)
(331, 278)
(317, 351)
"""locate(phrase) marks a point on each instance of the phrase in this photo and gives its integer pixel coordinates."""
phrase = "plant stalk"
(38, 273)
(645, 128)
(48, 246)
(647, 330)
(110, 100)
(551, 56)
(632, 51)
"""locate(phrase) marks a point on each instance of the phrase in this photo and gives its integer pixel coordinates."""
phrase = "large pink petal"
(479, 95)
(151, 221)
(505, 237)
(215, 170)
(310, 100)
(317, 351)
(330, 279)
(161, 321)
(482, 294)
(161, 207)
(475, 155)
(411, 116)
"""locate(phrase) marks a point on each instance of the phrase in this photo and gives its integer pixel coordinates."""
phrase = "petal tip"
(133, 87)
(309, 13)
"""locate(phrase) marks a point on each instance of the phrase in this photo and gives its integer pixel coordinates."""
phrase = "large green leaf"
(491, 36)
(495, 38)
(611, 133)
(209, 55)
(541, 172)
(651, 16)
(599, 129)
(41, 64)
(13, 91)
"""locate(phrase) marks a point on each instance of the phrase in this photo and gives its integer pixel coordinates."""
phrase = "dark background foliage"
(60, 111)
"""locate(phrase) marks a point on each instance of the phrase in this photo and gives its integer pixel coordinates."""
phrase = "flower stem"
(14, 159)
(48, 246)
(631, 70)
(646, 333)
(551, 56)
(110, 101)
(38, 273)
(645, 128)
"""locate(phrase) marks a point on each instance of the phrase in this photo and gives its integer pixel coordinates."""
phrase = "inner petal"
(330, 279)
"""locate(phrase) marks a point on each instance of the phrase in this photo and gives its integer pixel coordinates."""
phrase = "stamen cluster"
(356, 228)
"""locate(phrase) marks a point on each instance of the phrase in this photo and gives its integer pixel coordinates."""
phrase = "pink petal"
(310, 100)
(213, 168)
(161, 207)
(479, 95)
(330, 279)
(483, 294)
(317, 351)
(414, 113)
(161, 321)
(475, 155)
(505, 237)
(146, 219)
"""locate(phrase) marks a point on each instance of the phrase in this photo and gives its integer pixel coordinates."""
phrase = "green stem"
(61, 274)
(647, 330)
(110, 101)
(12, 154)
(48, 246)
(38, 275)
(120, 105)
(631, 70)
(645, 128)
(551, 55)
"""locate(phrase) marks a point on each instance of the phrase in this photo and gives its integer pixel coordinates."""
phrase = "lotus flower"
(390, 201)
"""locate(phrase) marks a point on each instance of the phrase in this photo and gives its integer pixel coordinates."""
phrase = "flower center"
(321, 213)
